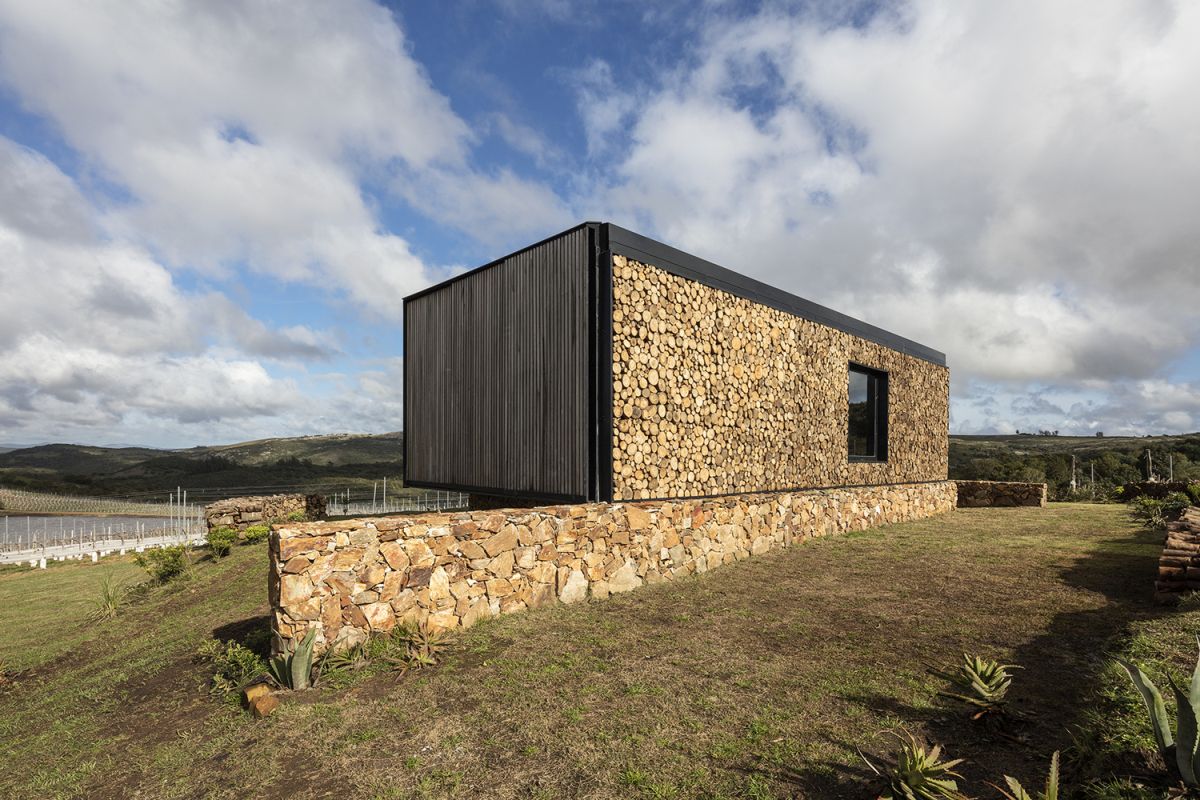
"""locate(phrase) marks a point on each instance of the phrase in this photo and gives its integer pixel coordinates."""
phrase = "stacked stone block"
(242, 512)
(1179, 564)
(349, 579)
(715, 394)
(981, 494)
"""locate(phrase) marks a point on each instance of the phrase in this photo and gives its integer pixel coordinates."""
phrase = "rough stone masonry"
(242, 512)
(349, 579)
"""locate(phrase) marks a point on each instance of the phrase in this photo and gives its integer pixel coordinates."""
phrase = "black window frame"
(878, 389)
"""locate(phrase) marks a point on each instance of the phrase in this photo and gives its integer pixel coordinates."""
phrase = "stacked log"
(716, 394)
(1156, 489)
(995, 494)
(1179, 565)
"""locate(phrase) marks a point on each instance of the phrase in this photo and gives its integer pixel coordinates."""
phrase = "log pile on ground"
(1179, 565)
(987, 494)
(1155, 489)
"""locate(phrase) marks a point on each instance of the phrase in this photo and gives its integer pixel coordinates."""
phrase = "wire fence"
(36, 539)
(41, 525)
(18, 500)
(343, 504)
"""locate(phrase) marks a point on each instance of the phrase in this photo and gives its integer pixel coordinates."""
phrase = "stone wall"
(1179, 564)
(979, 494)
(242, 512)
(715, 394)
(350, 578)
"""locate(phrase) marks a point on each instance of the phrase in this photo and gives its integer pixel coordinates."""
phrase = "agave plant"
(292, 669)
(1017, 792)
(1182, 753)
(979, 682)
(920, 775)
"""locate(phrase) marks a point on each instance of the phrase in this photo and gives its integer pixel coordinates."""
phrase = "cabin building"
(601, 365)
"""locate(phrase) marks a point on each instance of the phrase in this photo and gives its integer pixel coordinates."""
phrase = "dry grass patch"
(756, 680)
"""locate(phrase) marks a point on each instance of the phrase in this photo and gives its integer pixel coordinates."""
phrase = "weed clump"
(112, 597)
(233, 665)
(1156, 513)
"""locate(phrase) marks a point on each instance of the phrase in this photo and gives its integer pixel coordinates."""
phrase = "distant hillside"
(1115, 459)
(320, 463)
(336, 462)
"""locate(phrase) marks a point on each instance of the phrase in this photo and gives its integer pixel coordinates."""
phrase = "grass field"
(758, 680)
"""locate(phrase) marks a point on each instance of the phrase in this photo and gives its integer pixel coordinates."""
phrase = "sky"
(211, 210)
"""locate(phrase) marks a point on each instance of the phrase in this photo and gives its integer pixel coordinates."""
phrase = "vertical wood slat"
(496, 389)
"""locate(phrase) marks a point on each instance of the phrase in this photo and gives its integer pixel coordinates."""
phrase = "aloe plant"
(420, 647)
(1017, 792)
(979, 682)
(292, 669)
(921, 775)
(1182, 753)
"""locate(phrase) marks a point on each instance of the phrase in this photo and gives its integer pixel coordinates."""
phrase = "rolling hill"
(315, 463)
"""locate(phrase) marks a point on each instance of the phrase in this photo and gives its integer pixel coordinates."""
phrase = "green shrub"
(1157, 513)
(350, 659)
(256, 534)
(1175, 504)
(164, 564)
(1193, 493)
(221, 541)
(297, 516)
(233, 665)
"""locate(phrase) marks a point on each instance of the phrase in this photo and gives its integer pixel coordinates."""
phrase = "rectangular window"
(868, 414)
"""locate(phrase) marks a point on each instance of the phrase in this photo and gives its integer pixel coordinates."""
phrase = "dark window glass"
(868, 414)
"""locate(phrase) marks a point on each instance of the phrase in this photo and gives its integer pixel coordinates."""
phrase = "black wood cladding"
(496, 375)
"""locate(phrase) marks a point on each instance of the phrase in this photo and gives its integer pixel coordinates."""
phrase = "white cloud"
(242, 134)
(218, 139)
(97, 336)
(1016, 185)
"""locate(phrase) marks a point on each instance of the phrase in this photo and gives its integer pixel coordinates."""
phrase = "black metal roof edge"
(495, 261)
(686, 265)
(676, 261)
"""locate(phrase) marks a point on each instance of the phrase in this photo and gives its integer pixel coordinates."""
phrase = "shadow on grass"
(1061, 667)
(253, 633)
(1061, 671)
(826, 779)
